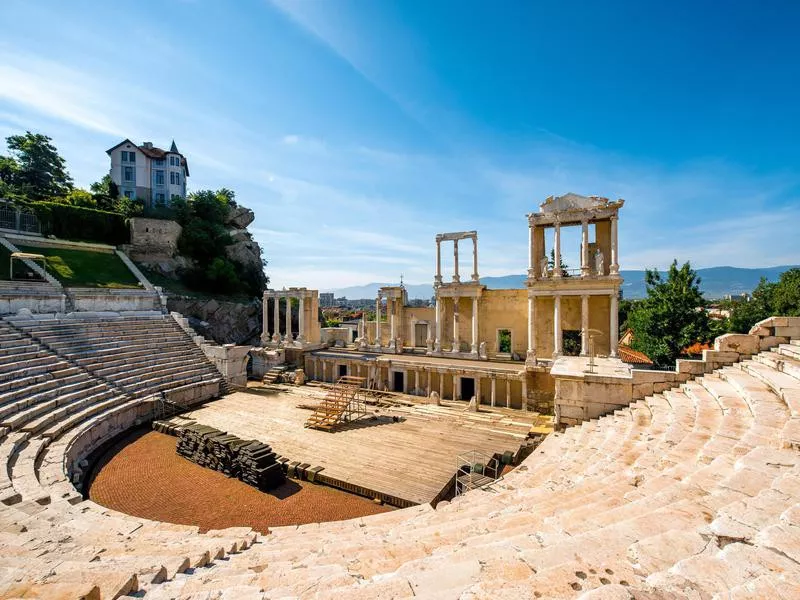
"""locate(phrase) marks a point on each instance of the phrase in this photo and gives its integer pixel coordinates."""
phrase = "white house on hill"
(149, 173)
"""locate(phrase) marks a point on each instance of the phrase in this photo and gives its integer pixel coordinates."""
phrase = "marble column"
(391, 307)
(584, 325)
(531, 328)
(288, 337)
(614, 247)
(301, 317)
(557, 341)
(478, 389)
(428, 375)
(475, 259)
(437, 343)
(456, 277)
(265, 334)
(508, 393)
(524, 393)
(455, 387)
(474, 348)
(494, 390)
(441, 385)
(378, 321)
(456, 336)
(584, 248)
(276, 318)
(614, 325)
(557, 250)
(416, 381)
(438, 278)
(532, 266)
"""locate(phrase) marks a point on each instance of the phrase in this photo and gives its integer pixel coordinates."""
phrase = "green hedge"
(77, 223)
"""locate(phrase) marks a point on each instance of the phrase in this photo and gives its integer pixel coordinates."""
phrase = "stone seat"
(19, 412)
(135, 357)
(30, 360)
(80, 347)
(27, 386)
(94, 397)
(122, 373)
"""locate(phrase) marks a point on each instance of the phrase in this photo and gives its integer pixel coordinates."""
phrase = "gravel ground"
(142, 475)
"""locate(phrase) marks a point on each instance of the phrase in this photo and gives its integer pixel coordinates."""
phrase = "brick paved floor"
(142, 475)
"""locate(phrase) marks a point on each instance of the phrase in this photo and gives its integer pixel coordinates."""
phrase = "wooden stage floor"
(411, 460)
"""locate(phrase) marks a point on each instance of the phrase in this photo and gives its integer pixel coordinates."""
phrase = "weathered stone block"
(737, 342)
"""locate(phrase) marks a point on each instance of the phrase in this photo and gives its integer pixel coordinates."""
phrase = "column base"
(276, 337)
(475, 278)
(266, 338)
(530, 358)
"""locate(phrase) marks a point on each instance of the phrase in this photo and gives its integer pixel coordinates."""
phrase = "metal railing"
(20, 220)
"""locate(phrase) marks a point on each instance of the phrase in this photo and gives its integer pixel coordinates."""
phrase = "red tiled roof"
(629, 355)
(696, 348)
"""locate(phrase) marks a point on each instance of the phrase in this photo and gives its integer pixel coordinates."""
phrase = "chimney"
(148, 145)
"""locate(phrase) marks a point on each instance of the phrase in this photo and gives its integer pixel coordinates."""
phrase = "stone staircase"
(693, 492)
(274, 375)
(689, 493)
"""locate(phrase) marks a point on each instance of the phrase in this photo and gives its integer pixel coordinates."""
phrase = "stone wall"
(221, 321)
(153, 240)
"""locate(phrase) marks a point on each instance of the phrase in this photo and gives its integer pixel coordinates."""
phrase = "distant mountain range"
(716, 282)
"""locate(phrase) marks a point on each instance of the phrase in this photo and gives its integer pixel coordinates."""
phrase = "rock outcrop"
(224, 322)
(244, 249)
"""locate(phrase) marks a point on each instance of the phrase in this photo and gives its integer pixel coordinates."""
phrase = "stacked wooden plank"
(252, 462)
(259, 466)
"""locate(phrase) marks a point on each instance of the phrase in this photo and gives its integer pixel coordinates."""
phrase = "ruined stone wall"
(500, 309)
(222, 321)
(153, 240)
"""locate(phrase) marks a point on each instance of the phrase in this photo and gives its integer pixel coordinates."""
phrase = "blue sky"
(359, 129)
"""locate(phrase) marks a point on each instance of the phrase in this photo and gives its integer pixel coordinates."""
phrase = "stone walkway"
(143, 476)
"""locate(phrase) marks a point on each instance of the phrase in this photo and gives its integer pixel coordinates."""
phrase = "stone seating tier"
(692, 492)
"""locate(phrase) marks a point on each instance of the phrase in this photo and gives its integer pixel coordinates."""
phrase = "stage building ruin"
(501, 346)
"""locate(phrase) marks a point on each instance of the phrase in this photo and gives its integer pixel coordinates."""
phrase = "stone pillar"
(456, 337)
(474, 348)
(532, 266)
(276, 318)
(531, 329)
(524, 393)
(557, 250)
(441, 384)
(437, 344)
(475, 277)
(438, 277)
(378, 321)
(508, 393)
(455, 387)
(494, 390)
(265, 334)
(584, 248)
(428, 375)
(405, 382)
(477, 389)
(301, 326)
(614, 325)
(584, 325)
(288, 337)
(456, 277)
(416, 381)
(614, 249)
(391, 307)
(557, 341)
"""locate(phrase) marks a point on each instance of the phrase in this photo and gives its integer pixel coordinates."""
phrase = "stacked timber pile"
(258, 466)
(252, 462)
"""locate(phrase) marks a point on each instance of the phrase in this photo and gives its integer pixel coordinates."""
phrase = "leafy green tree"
(671, 317)
(551, 263)
(34, 170)
(106, 193)
(79, 197)
(768, 299)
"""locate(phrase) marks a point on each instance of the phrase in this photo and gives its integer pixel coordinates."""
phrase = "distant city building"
(149, 173)
(326, 299)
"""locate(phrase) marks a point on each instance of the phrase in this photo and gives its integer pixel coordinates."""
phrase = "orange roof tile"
(629, 355)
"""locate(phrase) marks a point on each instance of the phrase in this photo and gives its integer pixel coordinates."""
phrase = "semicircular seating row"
(66, 386)
(690, 493)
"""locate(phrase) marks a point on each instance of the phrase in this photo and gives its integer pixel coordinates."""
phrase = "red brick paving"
(142, 475)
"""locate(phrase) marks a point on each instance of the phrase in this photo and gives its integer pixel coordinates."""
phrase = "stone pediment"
(571, 201)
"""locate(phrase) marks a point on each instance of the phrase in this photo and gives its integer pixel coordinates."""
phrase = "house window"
(172, 177)
(177, 178)
(159, 177)
(127, 173)
(160, 199)
(128, 194)
(159, 162)
(174, 161)
(128, 156)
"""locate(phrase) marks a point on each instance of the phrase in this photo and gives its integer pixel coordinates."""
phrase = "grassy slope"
(83, 268)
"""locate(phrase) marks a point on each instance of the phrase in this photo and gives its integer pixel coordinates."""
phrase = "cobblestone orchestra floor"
(142, 475)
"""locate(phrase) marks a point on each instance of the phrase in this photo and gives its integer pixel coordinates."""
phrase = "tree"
(34, 170)
(768, 299)
(551, 263)
(671, 317)
(106, 193)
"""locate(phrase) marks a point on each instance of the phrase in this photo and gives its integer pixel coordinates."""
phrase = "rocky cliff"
(221, 321)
